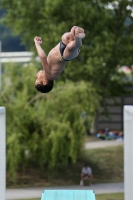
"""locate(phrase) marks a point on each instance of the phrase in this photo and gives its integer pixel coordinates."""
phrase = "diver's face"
(40, 78)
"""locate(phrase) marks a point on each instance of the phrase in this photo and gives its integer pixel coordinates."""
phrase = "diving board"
(68, 195)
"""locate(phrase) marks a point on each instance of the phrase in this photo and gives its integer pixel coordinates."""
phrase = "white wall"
(128, 152)
(2, 153)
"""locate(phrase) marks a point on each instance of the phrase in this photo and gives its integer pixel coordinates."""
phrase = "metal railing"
(23, 56)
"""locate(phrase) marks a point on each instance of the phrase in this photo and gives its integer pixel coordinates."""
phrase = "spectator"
(86, 173)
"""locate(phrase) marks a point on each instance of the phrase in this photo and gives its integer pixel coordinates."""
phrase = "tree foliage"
(50, 127)
(108, 42)
(44, 130)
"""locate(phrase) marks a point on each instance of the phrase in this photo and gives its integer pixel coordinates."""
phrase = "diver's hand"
(38, 40)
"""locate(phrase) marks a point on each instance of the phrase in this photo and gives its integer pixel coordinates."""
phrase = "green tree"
(108, 42)
(45, 130)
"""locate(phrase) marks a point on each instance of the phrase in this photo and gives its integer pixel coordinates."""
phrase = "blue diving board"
(68, 195)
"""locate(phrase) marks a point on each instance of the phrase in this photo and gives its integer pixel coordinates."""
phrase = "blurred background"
(46, 133)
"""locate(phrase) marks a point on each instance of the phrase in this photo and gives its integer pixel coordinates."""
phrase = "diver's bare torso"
(55, 61)
(64, 51)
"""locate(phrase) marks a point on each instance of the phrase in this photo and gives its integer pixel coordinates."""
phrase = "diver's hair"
(45, 88)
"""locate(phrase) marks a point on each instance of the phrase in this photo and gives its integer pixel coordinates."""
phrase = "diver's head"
(42, 84)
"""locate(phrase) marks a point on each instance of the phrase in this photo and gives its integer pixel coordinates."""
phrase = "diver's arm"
(41, 54)
(40, 51)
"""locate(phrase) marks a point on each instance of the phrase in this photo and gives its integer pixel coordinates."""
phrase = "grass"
(106, 163)
(113, 196)
(91, 138)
